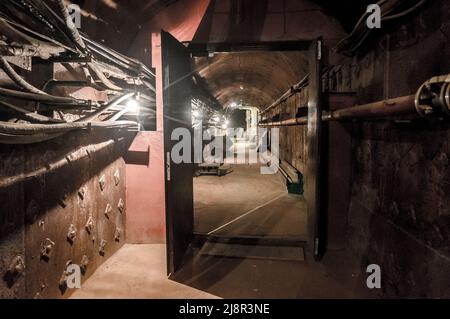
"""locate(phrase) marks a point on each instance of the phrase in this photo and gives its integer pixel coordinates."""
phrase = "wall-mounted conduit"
(432, 100)
(32, 114)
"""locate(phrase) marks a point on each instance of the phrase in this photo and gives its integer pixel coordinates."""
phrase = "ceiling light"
(133, 106)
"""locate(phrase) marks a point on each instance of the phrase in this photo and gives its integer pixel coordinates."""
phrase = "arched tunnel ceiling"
(253, 78)
(263, 76)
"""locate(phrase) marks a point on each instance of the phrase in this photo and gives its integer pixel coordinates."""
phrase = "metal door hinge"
(168, 166)
(316, 247)
(319, 50)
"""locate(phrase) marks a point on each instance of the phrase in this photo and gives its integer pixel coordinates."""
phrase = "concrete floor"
(139, 271)
(136, 271)
(255, 204)
(251, 204)
(336, 276)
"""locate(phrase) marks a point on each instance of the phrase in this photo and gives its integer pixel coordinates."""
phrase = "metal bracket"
(84, 263)
(117, 177)
(46, 248)
(71, 234)
(121, 205)
(82, 192)
(89, 226)
(63, 279)
(102, 182)
(108, 210)
(117, 234)
(17, 266)
(102, 247)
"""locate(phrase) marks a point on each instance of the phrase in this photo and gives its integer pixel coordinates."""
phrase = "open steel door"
(316, 221)
(177, 87)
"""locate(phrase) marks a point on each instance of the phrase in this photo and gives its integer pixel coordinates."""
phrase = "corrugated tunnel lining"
(253, 78)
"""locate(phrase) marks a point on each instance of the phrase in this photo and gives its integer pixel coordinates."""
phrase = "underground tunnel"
(236, 149)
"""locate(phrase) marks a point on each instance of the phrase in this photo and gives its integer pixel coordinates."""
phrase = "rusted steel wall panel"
(398, 214)
(12, 235)
(292, 138)
(55, 188)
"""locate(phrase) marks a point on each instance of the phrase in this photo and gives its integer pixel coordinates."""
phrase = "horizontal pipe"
(391, 107)
(114, 102)
(30, 129)
(51, 84)
(13, 133)
(25, 114)
(102, 78)
(17, 78)
(71, 28)
(386, 108)
(41, 98)
(27, 139)
(290, 122)
(287, 94)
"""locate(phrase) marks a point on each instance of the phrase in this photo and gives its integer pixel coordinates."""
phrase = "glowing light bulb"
(133, 106)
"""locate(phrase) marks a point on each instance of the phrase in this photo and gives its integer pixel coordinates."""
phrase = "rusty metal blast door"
(316, 221)
(177, 88)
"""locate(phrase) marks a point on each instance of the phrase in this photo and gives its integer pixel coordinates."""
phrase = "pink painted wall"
(145, 186)
(145, 196)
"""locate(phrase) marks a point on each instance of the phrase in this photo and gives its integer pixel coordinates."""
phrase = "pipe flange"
(432, 98)
(423, 108)
(446, 95)
(441, 99)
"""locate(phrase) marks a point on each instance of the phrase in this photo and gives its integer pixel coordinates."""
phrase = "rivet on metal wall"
(14, 271)
(108, 210)
(117, 177)
(102, 247)
(121, 205)
(84, 264)
(71, 233)
(63, 279)
(17, 265)
(62, 201)
(82, 192)
(102, 182)
(117, 234)
(46, 249)
(38, 296)
(69, 159)
(89, 226)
